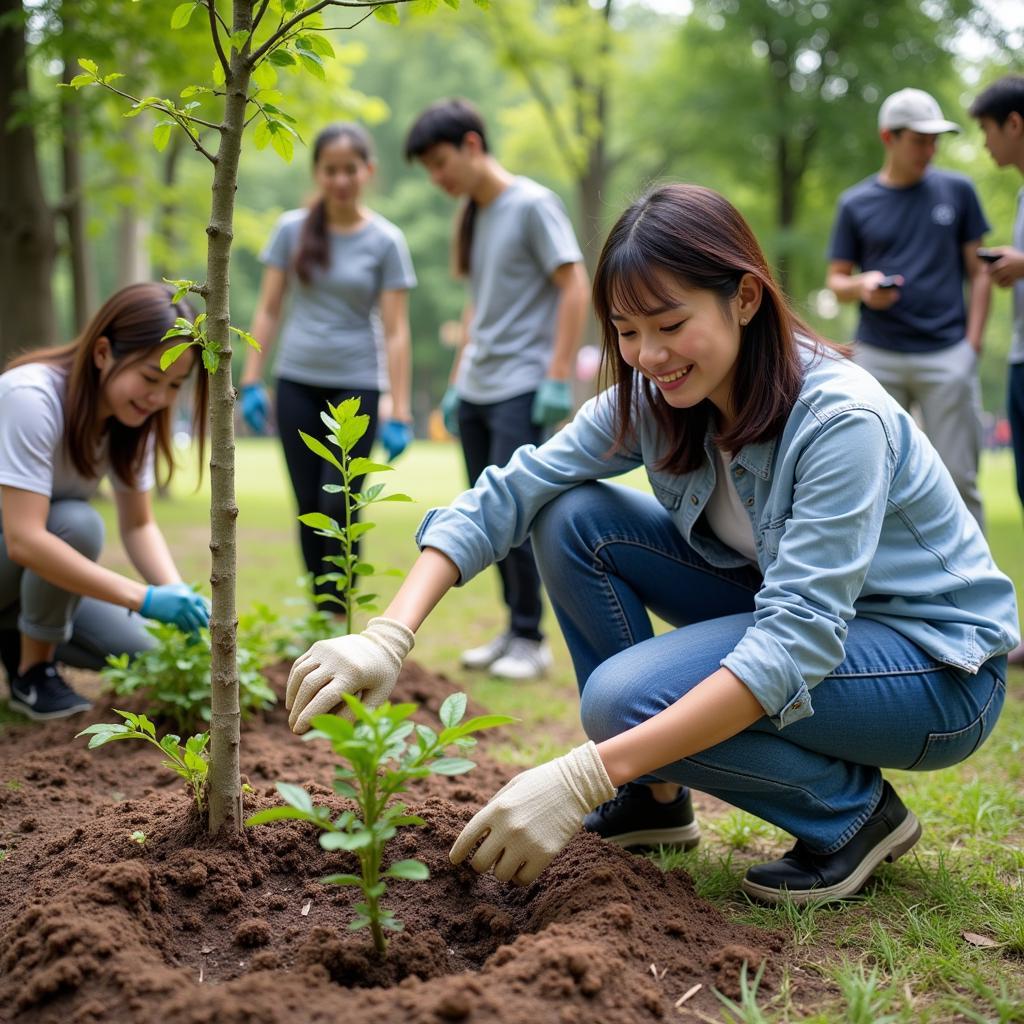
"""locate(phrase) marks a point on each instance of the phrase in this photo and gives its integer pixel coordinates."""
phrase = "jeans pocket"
(942, 749)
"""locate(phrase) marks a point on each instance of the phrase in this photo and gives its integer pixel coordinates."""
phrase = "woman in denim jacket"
(836, 607)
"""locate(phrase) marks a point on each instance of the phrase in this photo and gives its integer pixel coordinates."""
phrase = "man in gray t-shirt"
(511, 378)
(1000, 112)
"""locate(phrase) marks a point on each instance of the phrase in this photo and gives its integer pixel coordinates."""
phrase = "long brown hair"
(695, 236)
(134, 321)
(314, 250)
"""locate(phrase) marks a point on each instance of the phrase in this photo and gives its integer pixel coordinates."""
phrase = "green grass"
(896, 954)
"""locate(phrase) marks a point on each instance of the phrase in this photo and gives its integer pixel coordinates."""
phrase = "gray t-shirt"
(1017, 346)
(332, 335)
(519, 240)
(33, 456)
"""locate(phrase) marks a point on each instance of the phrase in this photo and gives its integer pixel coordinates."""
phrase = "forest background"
(772, 102)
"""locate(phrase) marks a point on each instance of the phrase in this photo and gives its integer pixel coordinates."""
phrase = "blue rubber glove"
(178, 604)
(450, 411)
(255, 407)
(395, 437)
(552, 403)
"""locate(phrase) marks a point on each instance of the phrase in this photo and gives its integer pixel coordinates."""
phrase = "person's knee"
(604, 710)
(556, 530)
(77, 523)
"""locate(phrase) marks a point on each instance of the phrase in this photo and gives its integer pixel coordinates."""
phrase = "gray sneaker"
(485, 655)
(523, 659)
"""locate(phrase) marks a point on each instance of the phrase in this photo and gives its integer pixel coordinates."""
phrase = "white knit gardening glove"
(531, 818)
(364, 664)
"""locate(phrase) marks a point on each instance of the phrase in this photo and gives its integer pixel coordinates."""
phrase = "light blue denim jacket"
(853, 513)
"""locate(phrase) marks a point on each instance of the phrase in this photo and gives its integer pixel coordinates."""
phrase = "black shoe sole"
(46, 716)
(685, 837)
(893, 846)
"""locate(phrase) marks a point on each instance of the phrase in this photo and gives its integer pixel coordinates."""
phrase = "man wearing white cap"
(913, 232)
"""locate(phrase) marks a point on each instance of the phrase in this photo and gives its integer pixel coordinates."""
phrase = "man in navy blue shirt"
(913, 232)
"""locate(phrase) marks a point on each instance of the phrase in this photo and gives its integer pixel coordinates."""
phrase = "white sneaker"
(487, 654)
(523, 659)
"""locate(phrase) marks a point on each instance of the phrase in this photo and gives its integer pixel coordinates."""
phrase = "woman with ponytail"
(347, 331)
(69, 416)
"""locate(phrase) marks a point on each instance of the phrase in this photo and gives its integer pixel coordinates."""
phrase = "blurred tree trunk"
(133, 264)
(83, 280)
(167, 214)
(27, 241)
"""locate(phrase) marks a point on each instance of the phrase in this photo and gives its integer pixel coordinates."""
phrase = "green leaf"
(264, 76)
(396, 497)
(79, 80)
(247, 338)
(314, 65)
(279, 814)
(182, 14)
(171, 356)
(360, 467)
(295, 796)
(281, 57)
(210, 360)
(333, 488)
(451, 766)
(341, 880)
(356, 530)
(387, 13)
(238, 39)
(194, 90)
(318, 521)
(88, 65)
(453, 4)
(346, 840)
(320, 449)
(333, 726)
(162, 134)
(283, 145)
(318, 44)
(453, 709)
(112, 77)
(411, 870)
(359, 922)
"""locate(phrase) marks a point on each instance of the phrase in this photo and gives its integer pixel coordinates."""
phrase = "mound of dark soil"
(96, 927)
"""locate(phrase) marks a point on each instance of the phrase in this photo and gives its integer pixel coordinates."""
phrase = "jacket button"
(749, 502)
(796, 705)
(739, 471)
(694, 500)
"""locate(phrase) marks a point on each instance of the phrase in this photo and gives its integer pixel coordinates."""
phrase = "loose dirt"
(95, 927)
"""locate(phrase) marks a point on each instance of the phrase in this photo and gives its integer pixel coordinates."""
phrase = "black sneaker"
(804, 876)
(42, 694)
(633, 818)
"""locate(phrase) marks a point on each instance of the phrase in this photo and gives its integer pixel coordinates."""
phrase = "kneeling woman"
(836, 608)
(69, 416)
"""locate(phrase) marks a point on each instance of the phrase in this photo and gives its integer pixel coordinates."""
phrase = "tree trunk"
(133, 264)
(225, 791)
(83, 280)
(27, 242)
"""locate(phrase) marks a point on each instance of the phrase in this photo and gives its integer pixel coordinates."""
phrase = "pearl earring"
(743, 321)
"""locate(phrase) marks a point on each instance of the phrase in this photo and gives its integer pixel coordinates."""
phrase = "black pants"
(489, 435)
(298, 408)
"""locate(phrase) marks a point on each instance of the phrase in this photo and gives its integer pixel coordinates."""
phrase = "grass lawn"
(899, 953)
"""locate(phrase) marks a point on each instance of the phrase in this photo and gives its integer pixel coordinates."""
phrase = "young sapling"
(346, 425)
(188, 761)
(381, 751)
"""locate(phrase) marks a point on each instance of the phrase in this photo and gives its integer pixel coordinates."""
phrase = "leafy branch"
(189, 761)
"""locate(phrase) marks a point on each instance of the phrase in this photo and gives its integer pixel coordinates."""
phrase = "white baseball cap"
(914, 109)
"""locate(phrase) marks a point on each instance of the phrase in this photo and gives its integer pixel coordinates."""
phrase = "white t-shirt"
(33, 455)
(725, 513)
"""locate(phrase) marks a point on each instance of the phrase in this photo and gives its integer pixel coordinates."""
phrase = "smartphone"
(989, 256)
(889, 281)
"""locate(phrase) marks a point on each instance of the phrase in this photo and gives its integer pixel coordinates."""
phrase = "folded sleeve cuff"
(458, 537)
(767, 670)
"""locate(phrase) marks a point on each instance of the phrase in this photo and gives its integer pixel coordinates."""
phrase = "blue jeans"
(607, 554)
(489, 435)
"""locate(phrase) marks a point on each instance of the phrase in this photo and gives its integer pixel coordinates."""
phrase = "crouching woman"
(835, 607)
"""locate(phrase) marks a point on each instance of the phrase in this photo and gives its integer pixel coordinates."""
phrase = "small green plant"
(175, 676)
(382, 751)
(139, 837)
(188, 761)
(346, 425)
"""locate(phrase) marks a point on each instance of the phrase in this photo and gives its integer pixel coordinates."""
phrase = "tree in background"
(260, 37)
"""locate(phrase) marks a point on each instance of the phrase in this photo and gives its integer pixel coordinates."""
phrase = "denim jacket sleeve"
(483, 524)
(840, 487)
